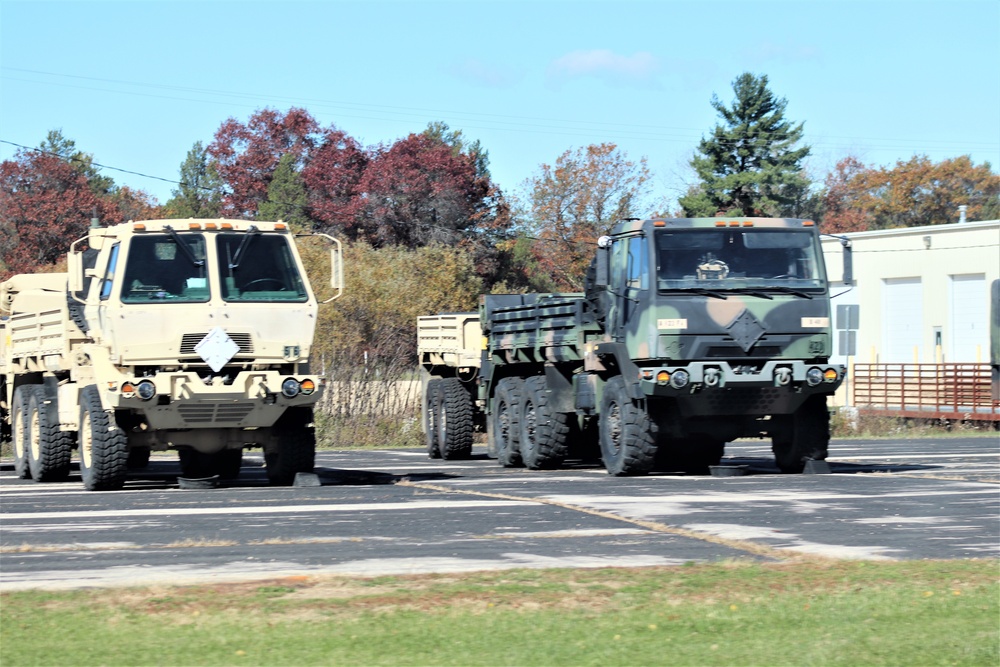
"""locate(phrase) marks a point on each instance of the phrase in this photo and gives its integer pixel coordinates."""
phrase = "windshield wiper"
(183, 246)
(752, 291)
(700, 291)
(788, 290)
(251, 232)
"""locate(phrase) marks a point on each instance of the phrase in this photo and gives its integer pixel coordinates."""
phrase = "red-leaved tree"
(45, 204)
(419, 191)
(332, 180)
(247, 155)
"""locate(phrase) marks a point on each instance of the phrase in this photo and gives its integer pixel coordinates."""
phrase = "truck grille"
(206, 413)
(188, 342)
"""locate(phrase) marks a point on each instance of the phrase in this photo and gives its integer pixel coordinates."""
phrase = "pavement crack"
(745, 546)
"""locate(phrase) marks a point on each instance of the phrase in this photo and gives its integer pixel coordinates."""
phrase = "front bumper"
(183, 400)
(791, 376)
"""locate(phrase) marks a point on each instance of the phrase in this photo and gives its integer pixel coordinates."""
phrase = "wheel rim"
(17, 434)
(442, 425)
(33, 436)
(615, 428)
(528, 432)
(503, 421)
(86, 442)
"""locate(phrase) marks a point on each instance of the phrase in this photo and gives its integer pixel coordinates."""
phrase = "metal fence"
(926, 391)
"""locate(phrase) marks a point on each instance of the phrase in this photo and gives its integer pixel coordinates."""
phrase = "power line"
(303, 207)
(72, 158)
(506, 122)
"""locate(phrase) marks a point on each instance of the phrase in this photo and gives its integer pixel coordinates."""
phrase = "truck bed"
(549, 328)
(453, 340)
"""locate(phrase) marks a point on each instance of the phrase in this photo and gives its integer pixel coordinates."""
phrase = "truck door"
(629, 276)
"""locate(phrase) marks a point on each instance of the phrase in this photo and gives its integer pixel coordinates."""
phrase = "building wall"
(922, 292)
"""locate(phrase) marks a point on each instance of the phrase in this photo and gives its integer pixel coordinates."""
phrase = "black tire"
(49, 449)
(138, 458)
(195, 464)
(296, 450)
(454, 420)
(228, 463)
(543, 437)
(18, 431)
(802, 436)
(503, 424)
(692, 456)
(431, 417)
(103, 446)
(628, 446)
(584, 441)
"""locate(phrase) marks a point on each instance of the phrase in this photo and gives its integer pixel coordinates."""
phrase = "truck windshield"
(265, 270)
(734, 259)
(158, 270)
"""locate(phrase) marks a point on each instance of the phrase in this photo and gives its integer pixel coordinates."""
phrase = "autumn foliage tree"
(247, 155)
(419, 192)
(571, 203)
(331, 179)
(911, 193)
(45, 204)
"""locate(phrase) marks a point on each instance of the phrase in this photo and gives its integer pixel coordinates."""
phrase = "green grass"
(736, 613)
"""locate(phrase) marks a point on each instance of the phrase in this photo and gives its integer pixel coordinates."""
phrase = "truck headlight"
(679, 379)
(146, 390)
(290, 388)
(814, 376)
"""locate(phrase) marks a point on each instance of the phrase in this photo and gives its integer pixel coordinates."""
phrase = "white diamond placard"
(217, 348)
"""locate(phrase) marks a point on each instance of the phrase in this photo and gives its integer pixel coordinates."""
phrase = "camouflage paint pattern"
(743, 341)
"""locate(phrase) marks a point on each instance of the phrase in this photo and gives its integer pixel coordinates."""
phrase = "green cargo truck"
(690, 333)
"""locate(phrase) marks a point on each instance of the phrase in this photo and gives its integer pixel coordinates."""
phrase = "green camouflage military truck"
(186, 335)
(690, 333)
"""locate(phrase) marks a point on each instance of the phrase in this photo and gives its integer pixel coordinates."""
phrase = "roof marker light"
(808, 223)
(138, 227)
(194, 225)
(227, 226)
(659, 223)
(210, 226)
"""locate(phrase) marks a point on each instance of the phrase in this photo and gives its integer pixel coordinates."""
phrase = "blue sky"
(137, 83)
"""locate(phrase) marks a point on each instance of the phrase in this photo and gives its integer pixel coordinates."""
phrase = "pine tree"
(199, 194)
(286, 196)
(749, 166)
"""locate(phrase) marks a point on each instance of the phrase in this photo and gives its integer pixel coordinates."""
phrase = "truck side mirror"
(336, 268)
(848, 261)
(602, 262)
(74, 267)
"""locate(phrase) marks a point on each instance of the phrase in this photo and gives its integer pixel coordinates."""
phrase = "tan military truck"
(450, 350)
(186, 335)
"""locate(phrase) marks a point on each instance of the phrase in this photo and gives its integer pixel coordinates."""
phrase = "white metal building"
(922, 293)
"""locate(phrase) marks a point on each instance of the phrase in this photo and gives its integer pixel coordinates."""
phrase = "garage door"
(969, 317)
(903, 318)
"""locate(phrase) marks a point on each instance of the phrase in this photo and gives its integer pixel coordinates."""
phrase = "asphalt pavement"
(396, 511)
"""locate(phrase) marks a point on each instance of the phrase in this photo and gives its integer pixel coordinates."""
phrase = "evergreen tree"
(199, 194)
(749, 166)
(82, 163)
(440, 131)
(286, 196)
